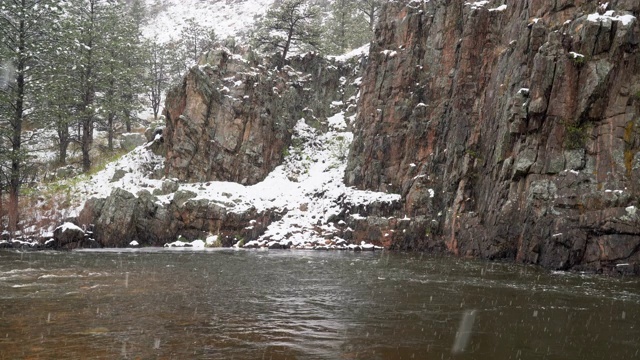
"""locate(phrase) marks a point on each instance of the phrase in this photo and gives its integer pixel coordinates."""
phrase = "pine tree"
(168, 62)
(158, 74)
(27, 29)
(346, 28)
(138, 13)
(62, 98)
(58, 100)
(195, 40)
(136, 62)
(87, 36)
(371, 9)
(121, 72)
(294, 23)
(108, 64)
(178, 63)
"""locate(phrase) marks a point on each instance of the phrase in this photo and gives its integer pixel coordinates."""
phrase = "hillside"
(167, 18)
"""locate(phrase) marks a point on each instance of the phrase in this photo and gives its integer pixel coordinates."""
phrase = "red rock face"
(231, 120)
(511, 133)
(215, 129)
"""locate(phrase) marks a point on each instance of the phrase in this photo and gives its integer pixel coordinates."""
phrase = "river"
(229, 304)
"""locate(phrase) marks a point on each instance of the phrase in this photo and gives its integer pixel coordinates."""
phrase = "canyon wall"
(512, 130)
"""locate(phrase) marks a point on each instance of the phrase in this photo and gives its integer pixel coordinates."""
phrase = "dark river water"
(227, 304)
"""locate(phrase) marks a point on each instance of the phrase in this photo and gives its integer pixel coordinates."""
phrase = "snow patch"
(624, 19)
(361, 51)
(337, 122)
(69, 226)
(211, 240)
(197, 244)
(389, 53)
(477, 4)
(499, 8)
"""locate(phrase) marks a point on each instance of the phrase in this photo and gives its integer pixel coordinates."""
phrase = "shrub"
(578, 59)
(575, 136)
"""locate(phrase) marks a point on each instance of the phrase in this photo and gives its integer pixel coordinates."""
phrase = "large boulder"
(70, 236)
(115, 225)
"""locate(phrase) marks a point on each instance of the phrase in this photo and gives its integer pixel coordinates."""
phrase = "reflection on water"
(225, 304)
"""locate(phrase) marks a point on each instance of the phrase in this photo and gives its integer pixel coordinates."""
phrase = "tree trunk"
(62, 153)
(87, 140)
(88, 97)
(14, 180)
(343, 31)
(127, 118)
(370, 10)
(1, 209)
(372, 19)
(14, 211)
(63, 141)
(155, 98)
(110, 131)
(156, 108)
(16, 136)
(286, 48)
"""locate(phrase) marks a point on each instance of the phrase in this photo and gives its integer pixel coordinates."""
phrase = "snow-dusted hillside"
(227, 18)
(308, 187)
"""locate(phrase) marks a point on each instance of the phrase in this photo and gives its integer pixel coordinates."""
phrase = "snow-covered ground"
(363, 50)
(307, 186)
(227, 18)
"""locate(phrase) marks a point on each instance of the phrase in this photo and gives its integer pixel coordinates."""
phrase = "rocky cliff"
(231, 120)
(511, 130)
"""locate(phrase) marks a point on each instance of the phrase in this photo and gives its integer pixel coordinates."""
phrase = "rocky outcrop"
(512, 130)
(70, 236)
(124, 217)
(232, 120)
